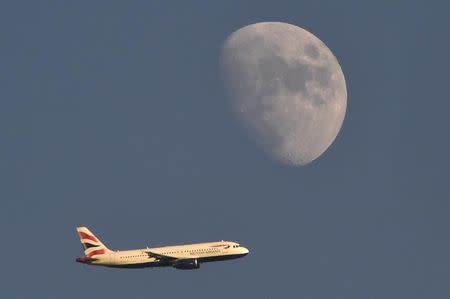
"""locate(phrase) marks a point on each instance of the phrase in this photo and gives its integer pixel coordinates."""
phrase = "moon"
(286, 88)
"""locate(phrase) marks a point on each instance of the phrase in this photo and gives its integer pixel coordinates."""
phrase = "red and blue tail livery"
(93, 247)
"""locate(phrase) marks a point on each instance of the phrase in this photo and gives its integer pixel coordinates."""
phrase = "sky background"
(112, 115)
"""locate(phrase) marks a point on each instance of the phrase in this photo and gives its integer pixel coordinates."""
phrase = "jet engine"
(188, 264)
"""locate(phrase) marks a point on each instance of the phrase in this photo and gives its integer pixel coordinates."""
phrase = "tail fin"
(92, 245)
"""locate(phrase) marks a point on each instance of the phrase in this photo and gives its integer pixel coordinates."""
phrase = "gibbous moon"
(287, 89)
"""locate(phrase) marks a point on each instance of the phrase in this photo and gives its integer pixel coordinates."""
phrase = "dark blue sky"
(112, 115)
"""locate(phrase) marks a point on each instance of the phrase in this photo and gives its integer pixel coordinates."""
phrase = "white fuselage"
(168, 255)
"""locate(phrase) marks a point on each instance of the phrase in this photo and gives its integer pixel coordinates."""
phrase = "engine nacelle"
(186, 264)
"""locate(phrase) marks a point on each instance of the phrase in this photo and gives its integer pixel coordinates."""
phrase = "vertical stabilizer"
(92, 245)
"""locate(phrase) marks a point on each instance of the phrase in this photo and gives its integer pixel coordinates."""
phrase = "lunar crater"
(311, 51)
(287, 88)
(296, 77)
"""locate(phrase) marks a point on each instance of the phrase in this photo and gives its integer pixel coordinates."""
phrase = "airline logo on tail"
(92, 245)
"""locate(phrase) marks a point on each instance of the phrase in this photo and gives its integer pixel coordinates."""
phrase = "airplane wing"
(161, 257)
(183, 263)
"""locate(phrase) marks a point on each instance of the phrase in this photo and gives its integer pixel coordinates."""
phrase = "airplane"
(185, 257)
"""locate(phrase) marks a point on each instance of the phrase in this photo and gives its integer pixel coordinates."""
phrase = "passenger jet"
(188, 256)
